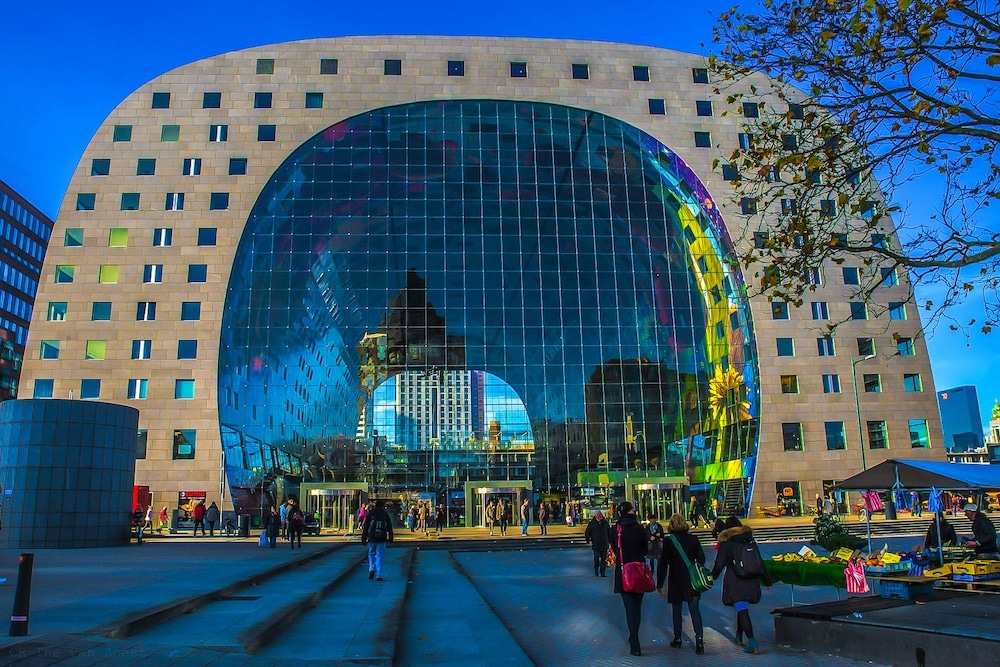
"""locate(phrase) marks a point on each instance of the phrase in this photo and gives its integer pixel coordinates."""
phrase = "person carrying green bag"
(682, 552)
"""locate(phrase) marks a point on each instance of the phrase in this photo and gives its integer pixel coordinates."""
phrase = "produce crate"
(900, 589)
(976, 577)
(888, 568)
(977, 567)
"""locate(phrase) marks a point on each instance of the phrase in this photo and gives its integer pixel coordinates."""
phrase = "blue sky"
(68, 63)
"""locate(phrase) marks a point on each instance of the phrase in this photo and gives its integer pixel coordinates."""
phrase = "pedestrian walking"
(739, 592)
(916, 504)
(674, 571)
(655, 532)
(212, 516)
(504, 513)
(148, 522)
(272, 524)
(525, 517)
(440, 518)
(543, 517)
(296, 522)
(199, 517)
(491, 514)
(630, 546)
(362, 513)
(377, 533)
(283, 515)
(598, 536)
(163, 519)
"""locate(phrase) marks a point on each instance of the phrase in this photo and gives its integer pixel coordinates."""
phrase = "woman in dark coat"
(736, 592)
(675, 572)
(629, 543)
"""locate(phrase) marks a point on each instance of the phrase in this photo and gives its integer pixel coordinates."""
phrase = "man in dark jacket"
(630, 544)
(376, 533)
(738, 592)
(598, 536)
(984, 533)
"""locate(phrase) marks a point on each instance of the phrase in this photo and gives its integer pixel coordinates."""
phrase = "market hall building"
(451, 268)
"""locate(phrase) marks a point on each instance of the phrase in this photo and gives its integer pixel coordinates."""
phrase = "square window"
(197, 273)
(146, 166)
(191, 167)
(877, 438)
(897, 311)
(779, 310)
(100, 311)
(211, 100)
(262, 100)
(190, 311)
(789, 384)
(266, 132)
(328, 65)
(518, 70)
(866, 347)
(163, 237)
(889, 278)
(183, 388)
(640, 72)
(90, 389)
(912, 382)
(161, 101)
(100, 167)
(85, 201)
(827, 208)
(796, 111)
(141, 437)
(699, 74)
(814, 176)
(789, 142)
(142, 349)
(73, 238)
(751, 110)
(825, 346)
(56, 311)
(265, 65)
(880, 241)
(456, 68)
(744, 141)
(703, 139)
(852, 276)
(145, 311)
(392, 67)
(174, 201)
(218, 201)
(791, 436)
(905, 347)
(314, 100)
(657, 107)
(581, 71)
(237, 166)
(96, 350)
(107, 274)
(835, 436)
(184, 444)
(859, 310)
(64, 273)
(919, 435)
(49, 349)
(152, 274)
(137, 389)
(122, 133)
(187, 349)
(789, 206)
(820, 310)
(118, 238)
(786, 347)
(207, 235)
(703, 107)
(872, 383)
(730, 173)
(218, 133)
(831, 384)
(43, 388)
(748, 206)
(170, 133)
(130, 201)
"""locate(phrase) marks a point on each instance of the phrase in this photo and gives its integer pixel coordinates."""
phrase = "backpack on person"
(746, 561)
(378, 531)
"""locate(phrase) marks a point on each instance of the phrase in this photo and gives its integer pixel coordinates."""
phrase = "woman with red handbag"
(630, 546)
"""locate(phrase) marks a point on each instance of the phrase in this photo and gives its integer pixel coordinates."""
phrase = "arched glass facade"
(566, 253)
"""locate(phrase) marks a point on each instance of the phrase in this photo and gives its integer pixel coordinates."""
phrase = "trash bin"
(890, 510)
(244, 525)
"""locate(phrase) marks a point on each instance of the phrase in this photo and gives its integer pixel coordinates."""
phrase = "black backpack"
(378, 531)
(746, 561)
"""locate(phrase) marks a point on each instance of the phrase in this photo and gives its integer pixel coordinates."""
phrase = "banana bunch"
(796, 558)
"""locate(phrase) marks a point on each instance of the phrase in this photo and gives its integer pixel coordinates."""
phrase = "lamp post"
(857, 404)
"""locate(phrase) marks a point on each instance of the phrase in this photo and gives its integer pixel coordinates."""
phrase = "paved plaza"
(456, 600)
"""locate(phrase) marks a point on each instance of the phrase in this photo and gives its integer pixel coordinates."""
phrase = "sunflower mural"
(729, 408)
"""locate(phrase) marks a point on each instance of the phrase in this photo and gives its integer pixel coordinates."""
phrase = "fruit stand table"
(804, 573)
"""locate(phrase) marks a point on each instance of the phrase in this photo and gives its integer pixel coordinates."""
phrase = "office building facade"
(270, 235)
(961, 421)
